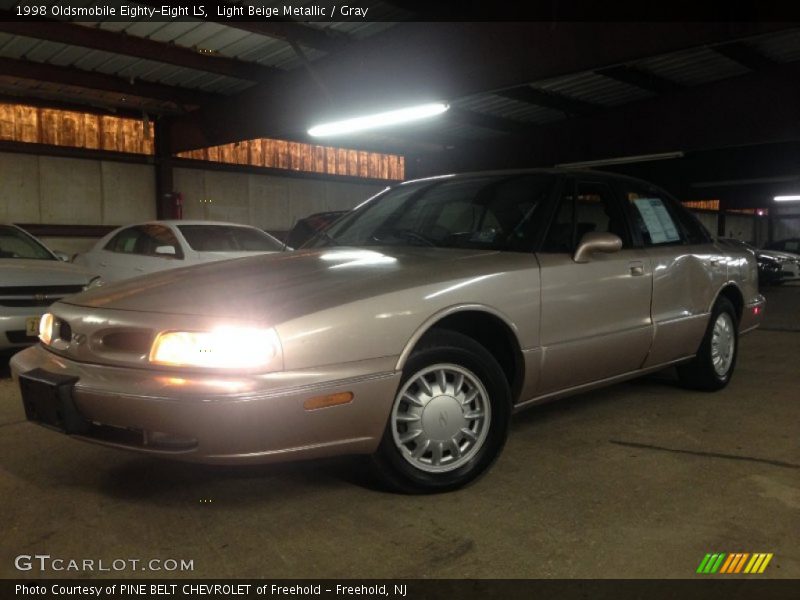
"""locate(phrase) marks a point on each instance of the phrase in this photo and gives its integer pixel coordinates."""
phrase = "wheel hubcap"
(723, 344)
(440, 418)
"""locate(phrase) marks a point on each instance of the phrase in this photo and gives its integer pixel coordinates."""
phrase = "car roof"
(191, 222)
(555, 171)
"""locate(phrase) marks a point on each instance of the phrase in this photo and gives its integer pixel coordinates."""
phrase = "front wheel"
(712, 367)
(450, 416)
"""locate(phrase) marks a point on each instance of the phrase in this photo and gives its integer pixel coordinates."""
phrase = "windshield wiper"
(409, 234)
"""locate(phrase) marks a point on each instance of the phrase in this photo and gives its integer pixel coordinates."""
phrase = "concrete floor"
(638, 480)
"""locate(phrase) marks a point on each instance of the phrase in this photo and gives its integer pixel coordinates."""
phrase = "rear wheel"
(712, 367)
(449, 419)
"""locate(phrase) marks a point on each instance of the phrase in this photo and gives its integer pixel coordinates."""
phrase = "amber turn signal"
(329, 400)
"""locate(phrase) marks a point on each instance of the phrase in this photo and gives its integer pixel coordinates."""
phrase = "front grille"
(21, 337)
(138, 342)
(36, 295)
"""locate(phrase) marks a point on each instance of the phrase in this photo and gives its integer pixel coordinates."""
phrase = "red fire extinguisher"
(177, 206)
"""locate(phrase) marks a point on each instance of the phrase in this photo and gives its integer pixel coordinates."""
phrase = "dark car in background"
(774, 266)
(787, 245)
(308, 227)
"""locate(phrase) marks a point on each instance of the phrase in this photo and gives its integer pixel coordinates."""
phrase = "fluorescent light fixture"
(622, 160)
(384, 119)
(793, 198)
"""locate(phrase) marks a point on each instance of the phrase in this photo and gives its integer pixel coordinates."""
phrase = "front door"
(595, 316)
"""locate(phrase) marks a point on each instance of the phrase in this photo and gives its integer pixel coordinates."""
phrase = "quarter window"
(659, 221)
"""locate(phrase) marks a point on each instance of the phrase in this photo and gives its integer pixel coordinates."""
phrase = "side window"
(144, 240)
(693, 230)
(124, 242)
(659, 221)
(157, 236)
(590, 207)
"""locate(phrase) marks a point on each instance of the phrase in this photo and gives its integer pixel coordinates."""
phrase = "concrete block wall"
(72, 191)
(267, 201)
(752, 229)
(787, 221)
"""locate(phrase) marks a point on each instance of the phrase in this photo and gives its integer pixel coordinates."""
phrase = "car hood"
(230, 254)
(22, 272)
(276, 287)
(778, 255)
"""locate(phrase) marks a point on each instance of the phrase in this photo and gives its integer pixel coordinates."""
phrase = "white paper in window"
(659, 224)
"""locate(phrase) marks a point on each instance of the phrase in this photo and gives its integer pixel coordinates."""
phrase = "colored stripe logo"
(736, 562)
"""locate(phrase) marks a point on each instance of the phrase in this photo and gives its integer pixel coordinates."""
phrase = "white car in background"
(32, 277)
(135, 250)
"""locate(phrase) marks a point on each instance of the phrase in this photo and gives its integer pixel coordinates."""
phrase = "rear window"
(224, 238)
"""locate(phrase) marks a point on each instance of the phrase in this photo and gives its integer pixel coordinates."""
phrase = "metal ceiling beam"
(756, 108)
(128, 45)
(547, 99)
(476, 119)
(286, 30)
(25, 69)
(745, 55)
(640, 78)
(325, 40)
(89, 106)
(420, 62)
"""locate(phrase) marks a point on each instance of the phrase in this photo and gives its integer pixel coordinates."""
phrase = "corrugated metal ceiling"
(499, 106)
(593, 88)
(689, 67)
(693, 67)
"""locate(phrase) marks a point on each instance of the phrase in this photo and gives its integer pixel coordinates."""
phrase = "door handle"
(714, 262)
(139, 269)
(102, 264)
(637, 268)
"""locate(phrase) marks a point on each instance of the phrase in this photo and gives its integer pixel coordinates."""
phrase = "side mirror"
(166, 250)
(61, 255)
(596, 242)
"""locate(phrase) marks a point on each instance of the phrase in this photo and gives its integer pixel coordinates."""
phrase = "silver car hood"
(23, 272)
(277, 287)
(778, 255)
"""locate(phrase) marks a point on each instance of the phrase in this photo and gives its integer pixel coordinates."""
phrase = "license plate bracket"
(47, 398)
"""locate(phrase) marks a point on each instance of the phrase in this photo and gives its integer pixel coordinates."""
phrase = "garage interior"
(105, 123)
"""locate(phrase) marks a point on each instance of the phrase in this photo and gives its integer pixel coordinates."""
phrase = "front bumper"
(226, 419)
(13, 324)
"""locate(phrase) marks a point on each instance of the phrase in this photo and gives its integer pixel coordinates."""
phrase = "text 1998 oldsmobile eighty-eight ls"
(410, 330)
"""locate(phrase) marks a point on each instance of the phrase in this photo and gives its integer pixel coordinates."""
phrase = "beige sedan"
(410, 330)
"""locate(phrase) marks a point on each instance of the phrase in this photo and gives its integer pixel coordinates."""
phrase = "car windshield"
(492, 212)
(17, 244)
(228, 238)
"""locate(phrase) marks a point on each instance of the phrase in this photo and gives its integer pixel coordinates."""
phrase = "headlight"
(93, 283)
(223, 348)
(46, 325)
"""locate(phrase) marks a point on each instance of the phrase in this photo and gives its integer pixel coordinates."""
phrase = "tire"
(427, 451)
(713, 365)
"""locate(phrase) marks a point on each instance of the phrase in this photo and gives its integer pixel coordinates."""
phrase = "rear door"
(688, 270)
(595, 317)
(112, 261)
(132, 252)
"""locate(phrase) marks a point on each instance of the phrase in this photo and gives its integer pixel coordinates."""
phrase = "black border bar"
(707, 587)
(417, 10)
